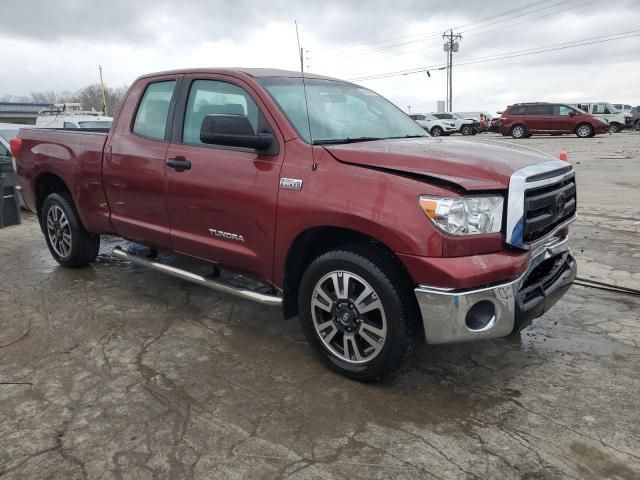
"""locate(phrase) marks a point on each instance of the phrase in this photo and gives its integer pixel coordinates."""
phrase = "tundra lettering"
(226, 235)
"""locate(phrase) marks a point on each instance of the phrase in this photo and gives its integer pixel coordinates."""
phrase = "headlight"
(465, 215)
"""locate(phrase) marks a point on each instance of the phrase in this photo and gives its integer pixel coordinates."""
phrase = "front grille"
(547, 207)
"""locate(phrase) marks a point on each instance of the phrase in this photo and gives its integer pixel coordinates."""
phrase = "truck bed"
(75, 156)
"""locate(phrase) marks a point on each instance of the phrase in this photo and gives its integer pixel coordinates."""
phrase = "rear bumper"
(451, 316)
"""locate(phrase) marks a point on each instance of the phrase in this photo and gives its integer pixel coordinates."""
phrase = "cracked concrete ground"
(130, 374)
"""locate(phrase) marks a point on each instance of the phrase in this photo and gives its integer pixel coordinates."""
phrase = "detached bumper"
(497, 311)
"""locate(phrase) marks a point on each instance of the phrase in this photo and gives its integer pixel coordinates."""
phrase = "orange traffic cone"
(564, 156)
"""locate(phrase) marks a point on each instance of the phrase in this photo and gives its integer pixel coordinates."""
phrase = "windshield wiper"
(333, 141)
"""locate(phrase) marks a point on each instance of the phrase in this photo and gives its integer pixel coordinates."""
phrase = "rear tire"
(518, 131)
(69, 243)
(367, 327)
(436, 131)
(637, 125)
(466, 130)
(584, 130)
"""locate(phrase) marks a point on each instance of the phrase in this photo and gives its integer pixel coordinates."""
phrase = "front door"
(222, 200)
(134, 164)
(562, 120)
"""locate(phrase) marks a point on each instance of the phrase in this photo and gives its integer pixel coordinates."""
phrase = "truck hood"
(479, 165)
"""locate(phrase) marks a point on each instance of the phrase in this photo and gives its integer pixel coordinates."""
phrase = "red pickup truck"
(377, 236)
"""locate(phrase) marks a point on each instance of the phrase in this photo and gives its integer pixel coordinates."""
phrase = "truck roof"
(252, 72)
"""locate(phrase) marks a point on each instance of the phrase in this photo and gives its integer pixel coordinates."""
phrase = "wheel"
(466, 130)
(614, 128)
(637, 125)
(69, 243)
(584, 130)
(518, 131)
(436, 131)
(358, 312)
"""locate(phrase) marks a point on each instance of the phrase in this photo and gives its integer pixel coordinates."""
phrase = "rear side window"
(540, 110)
(151, 118)
(212, 97)
(69, 125)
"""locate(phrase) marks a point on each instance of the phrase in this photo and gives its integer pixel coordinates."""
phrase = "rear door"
(223, 207)
(134, 163)
(539, 118)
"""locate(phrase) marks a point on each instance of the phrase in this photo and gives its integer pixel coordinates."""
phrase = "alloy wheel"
(517, 132)
(584, 131)
(348, 317)
(59, 231)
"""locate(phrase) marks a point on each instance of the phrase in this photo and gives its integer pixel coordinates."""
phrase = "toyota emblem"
(560, 205)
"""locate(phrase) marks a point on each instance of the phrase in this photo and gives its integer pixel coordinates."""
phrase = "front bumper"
(496, 311)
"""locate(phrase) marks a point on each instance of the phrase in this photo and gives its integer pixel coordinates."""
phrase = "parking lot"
(126, 373)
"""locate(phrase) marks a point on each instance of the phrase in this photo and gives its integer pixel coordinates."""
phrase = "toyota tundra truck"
(343, 209)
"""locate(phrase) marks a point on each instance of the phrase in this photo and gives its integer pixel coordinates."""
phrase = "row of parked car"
(438, 124)
(523, 120)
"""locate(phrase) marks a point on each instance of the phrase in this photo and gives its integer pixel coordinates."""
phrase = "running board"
(261, 298)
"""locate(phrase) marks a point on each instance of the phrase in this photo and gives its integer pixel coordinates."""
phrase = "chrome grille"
(542, 198)
(547, 207)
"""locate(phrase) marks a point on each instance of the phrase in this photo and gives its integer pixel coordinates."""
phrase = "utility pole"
(104, 97)
(451, 44)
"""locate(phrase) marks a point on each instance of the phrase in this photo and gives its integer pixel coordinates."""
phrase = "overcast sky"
(57, 45)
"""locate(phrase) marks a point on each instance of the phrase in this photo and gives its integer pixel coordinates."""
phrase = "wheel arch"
(309, 245)
(45, 184)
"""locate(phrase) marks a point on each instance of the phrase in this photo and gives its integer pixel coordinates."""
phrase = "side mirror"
(572, 113)
(233, 131)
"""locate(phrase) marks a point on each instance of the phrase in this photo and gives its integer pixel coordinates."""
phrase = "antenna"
(314, 165)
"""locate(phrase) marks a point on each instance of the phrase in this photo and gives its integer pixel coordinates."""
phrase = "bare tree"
(90, 97)
(48, 97)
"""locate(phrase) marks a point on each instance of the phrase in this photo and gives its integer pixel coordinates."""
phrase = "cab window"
(69, 125)
(151, 117)
(213, 97)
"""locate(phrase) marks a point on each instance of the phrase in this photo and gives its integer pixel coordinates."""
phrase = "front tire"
(358, 312)
(69, 243)
(614, 128)
(584, 130)
(518, 131)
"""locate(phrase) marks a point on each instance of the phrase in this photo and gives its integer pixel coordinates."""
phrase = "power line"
(527, 20)
(518, 16)
(439, 45)
(424, 37)
(506, 55)
(435, 33)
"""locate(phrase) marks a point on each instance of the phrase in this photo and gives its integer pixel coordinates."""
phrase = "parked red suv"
(522, 120)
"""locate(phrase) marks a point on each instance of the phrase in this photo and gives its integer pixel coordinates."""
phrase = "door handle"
(179, 164)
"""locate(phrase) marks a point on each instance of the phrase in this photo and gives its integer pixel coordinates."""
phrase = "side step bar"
(261, 298)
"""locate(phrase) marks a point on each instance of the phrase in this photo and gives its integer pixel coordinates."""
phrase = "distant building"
(20, 112)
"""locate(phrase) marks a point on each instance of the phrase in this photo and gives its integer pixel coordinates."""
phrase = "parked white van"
(617, 120)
